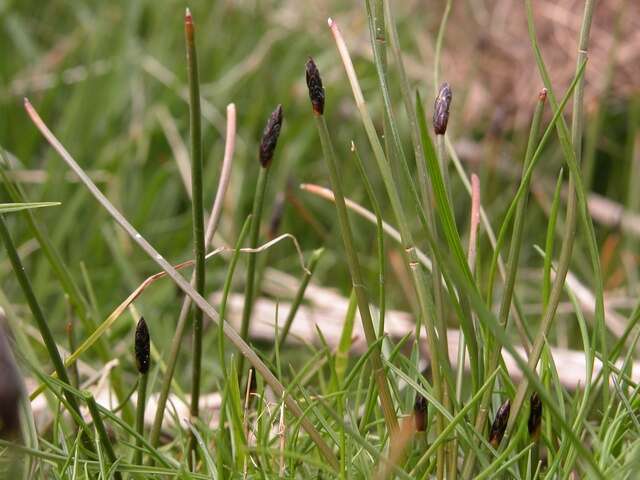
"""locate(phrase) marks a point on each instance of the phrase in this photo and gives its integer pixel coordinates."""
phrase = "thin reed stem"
(356, 277)
(212, 226)
(512, 270)
(266, 151)
(575, 197)
(417, 273)
(198, 216)
(297, 300)
(102, 431)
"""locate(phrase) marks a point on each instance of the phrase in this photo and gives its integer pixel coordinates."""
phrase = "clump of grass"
(337, 408)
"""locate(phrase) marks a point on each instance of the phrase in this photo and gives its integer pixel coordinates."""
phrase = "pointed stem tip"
(187, 16)
(542, 96)
(316, 90)
(270, 137)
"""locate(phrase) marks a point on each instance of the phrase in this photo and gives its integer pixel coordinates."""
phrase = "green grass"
(108, 87)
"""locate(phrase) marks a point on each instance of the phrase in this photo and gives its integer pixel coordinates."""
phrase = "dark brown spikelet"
(11, 390)
(142, 346)
(499, 424)
(420, 413)
(535, 416)
(441, 109)
(270, 137)
(316, 90)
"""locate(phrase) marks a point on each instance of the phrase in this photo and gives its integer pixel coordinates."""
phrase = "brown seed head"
(270, 137)
(535, 416)
(441, 109)
(316, 90)
(142, 348)
(499, 424)
(420, 413)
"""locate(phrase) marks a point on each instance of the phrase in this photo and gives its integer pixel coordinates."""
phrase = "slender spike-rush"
(266, 152)
(314, 83)
(197, 214)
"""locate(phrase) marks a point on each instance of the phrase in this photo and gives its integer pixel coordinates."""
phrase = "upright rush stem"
(197, 209)
(267, 148)
(316, 94)
(425, 301)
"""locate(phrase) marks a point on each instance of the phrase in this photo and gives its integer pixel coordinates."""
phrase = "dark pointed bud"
(499, 424)
(441, 109)
(535, 416)
(316, 90)
(142, 347)
(270, 137)
(11, 390)
(420, 413)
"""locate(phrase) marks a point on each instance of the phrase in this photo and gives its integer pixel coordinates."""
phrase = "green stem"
(61, 271)
(356, 277)
(297, 300)
(143, 379)
(439, 42)
(184, 285)
(198, 213)
(254, 232)
(102, 431)
(38, 316)
(226, 290)
(512, 270)
(570, 221)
